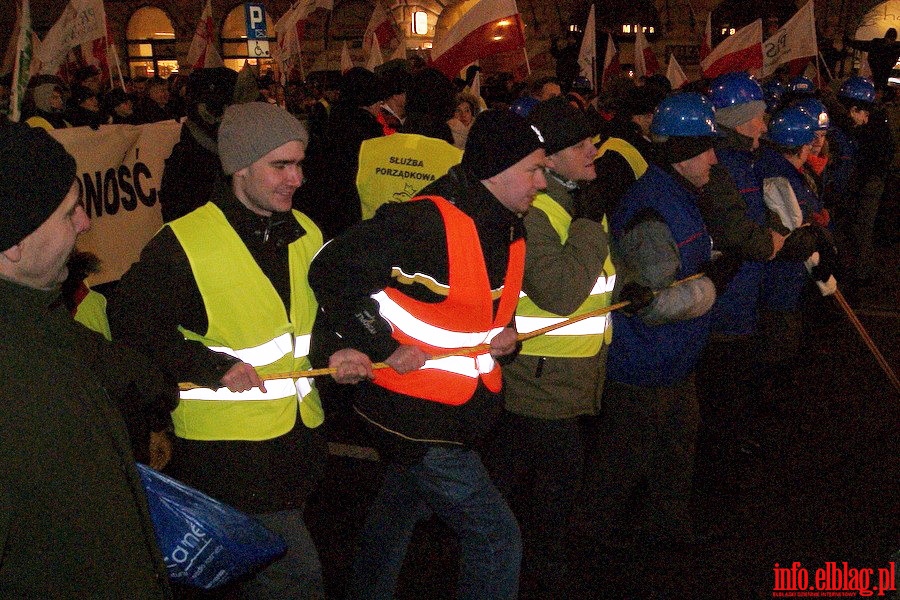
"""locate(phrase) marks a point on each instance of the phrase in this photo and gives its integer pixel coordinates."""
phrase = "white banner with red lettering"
(119, 171)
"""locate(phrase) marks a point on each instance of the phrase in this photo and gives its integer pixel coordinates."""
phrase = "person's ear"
(13, 254)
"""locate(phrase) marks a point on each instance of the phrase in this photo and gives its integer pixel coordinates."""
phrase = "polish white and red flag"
(741, 51)
(489, 27)
(203, 53)
(645, 62)
(611, 64)
(382, 27)
(290, 29)
(796, 39)
(706, 43)
(675, 74)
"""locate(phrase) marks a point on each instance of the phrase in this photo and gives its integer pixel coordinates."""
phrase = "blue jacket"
(783, 281)
(660, 355)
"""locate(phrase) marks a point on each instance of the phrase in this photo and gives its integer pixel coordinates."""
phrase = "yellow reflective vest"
(637, 162)
(254, 327)
(394, 168)
(91, 312)
(583, 338)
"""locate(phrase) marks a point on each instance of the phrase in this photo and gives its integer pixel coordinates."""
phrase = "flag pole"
(118, 67)
(527, 64)
(824, 64)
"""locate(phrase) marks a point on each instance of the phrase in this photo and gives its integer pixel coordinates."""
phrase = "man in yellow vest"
(559, 376)
(220, 298)
(622, 157)
(395, 167)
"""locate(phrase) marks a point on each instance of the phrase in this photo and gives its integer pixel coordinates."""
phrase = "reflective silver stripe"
(301, 345)
(418, 329)
(275, 390)
(603, 285)
(304, 387)
(463, 365)
(589, 326)
(263, 354)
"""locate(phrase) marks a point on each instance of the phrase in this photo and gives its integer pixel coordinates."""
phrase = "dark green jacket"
(558, 278)
(73, 516)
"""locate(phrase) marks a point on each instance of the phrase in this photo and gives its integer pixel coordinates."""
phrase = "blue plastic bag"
(205, 543)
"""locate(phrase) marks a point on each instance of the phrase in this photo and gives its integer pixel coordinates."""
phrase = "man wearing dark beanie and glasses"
(420, 279)
(73, 516)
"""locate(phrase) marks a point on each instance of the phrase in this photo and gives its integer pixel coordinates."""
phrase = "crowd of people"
(491, 280)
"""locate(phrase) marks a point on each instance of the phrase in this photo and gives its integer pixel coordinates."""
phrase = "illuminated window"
(420, 22)
(151, 43)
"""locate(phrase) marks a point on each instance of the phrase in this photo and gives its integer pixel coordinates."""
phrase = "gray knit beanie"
(250, 131)
(738, 114)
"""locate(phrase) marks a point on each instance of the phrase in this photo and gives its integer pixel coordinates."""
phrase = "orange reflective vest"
(464, 319)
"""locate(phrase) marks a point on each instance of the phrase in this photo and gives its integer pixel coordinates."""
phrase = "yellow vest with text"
(637, 162)
(396, 167)
(583, 338)
(248, 320)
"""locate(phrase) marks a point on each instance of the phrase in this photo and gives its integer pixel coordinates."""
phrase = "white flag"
(795, 39)
(203, 53)
(375, 58)
(81, 22)
(675, 74)
(346, 62)
(645, 63)
(587, 56)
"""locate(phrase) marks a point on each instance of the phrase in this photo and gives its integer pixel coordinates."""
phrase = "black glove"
(638, 297)
(798, 245)
(828, 255)
(722, 270)
(587, 205)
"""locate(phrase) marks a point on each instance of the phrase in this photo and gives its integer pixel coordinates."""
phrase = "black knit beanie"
(679, 149)
(498, 140)
(36, 173)
(561, 124)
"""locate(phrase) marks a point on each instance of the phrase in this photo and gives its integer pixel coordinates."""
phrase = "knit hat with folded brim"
(738, 114)
(250, 131)
(36, 173)
(498, 140)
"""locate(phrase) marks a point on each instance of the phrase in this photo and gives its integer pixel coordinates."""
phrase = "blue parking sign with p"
(256, 21)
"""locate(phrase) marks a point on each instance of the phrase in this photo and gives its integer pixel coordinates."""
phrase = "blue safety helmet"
(524, 105)
(817, 110)
(792, 127)
(773, 91)
(732, 89)
(802, 85)
(858, 88)
(685, 115)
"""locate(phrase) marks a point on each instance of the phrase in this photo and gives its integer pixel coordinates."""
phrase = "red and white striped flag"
(611, 65)
(706, 43)
(489, 27)
(203, 53)
(645, 62)
(381, 26)
(739, 52)
(289, 32)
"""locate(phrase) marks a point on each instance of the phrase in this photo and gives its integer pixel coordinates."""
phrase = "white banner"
(119, 171)
(795, 39)
(81, 22)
